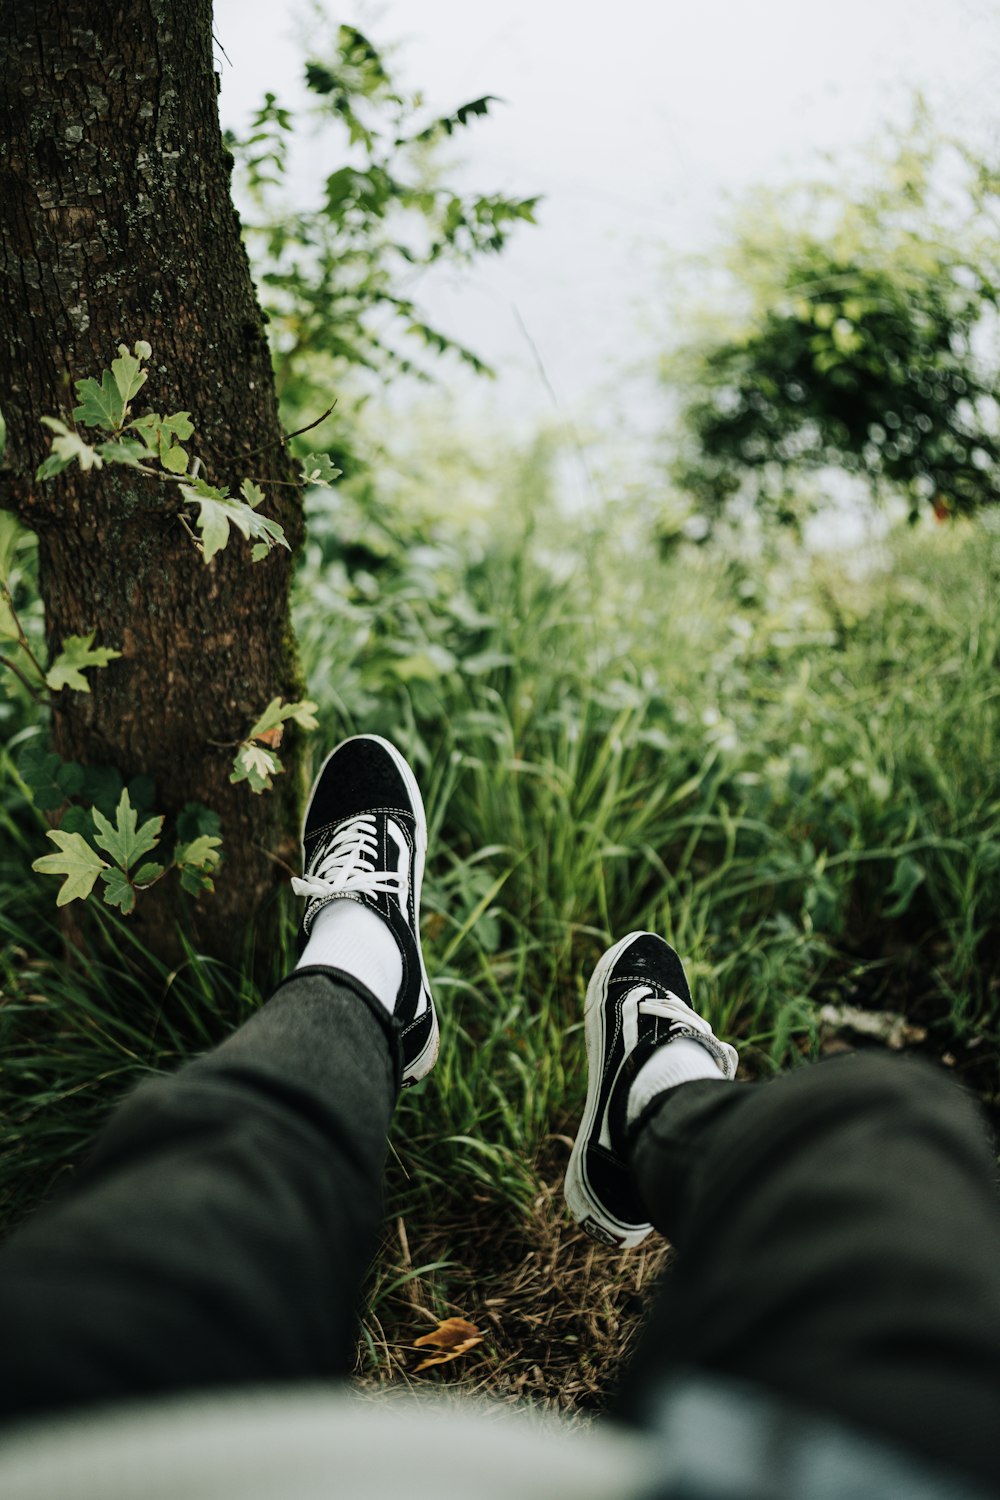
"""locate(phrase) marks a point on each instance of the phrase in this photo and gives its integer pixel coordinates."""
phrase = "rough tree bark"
(116, 224)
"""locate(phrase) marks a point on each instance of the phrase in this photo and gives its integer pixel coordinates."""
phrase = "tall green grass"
(783, 763)
(786, 765)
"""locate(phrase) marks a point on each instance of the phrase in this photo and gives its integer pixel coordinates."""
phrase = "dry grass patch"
(559, 1313)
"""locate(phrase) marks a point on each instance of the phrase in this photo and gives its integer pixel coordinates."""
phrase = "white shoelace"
(669, 1007)
(349, 865)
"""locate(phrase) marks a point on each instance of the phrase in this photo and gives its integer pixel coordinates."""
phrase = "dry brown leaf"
(453, 1336)
(272, 737)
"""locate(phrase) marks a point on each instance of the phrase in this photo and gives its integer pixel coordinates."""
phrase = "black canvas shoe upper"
(364, 839)
(638, 1000)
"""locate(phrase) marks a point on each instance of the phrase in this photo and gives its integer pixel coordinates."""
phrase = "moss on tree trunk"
(116, 223)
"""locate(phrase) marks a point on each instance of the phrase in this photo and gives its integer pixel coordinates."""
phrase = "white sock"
(679, 1061)
(347, 935)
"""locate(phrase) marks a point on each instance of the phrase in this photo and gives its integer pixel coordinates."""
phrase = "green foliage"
(317, 470)
(256, 764)
(164, 436)
(198, 852)
(277, 714)
(158, 441)
(51, 781)
(78, 654)
(859, 345)
(218, 511)
(156, 450)
(101, 403)
(12, 538)
(76, 860)
(17, 577)
(784, 768)
(96, 809)
(198, 862)
(67, 448)
(123, 839)
(331, 278)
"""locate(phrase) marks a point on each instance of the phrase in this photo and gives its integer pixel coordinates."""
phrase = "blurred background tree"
(858, 333)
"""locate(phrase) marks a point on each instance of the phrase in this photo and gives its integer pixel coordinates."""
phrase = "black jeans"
(838, 1239)
(838, 1234)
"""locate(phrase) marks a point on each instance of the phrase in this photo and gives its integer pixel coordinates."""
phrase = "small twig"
(5, 661)
(309, 425)
(284, 484)
(193, 535)
(22, 639)
(285, 437)
(222, 49)
(276, 860)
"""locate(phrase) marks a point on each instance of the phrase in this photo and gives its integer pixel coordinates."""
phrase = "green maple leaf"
(212, 519)
(101, 403)
(256, 765)
(271, 534)
(317, 469)
(198, 861)
(174, 459)
(118, 890)
(270, 719)
(125, 451)
(67, 446)
(246, 520)
(202, 852)
(213, 523)
(77, 654)
(218, 511)
(164, 435)
(303, 712)
(104, 403)
(123, 839)
(277, 713)
(148, 873)
(80, 864)
(129, 375)
(147, 428)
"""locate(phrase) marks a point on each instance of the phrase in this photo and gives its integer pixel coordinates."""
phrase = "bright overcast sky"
(637, 121)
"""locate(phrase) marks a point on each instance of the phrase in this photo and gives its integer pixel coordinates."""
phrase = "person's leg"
(220, 1230)
(838, 1232)
(838, 1239)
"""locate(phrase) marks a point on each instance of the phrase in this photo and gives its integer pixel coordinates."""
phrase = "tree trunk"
(116, 224)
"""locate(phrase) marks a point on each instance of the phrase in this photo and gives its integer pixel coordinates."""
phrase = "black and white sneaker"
(364, 838)
(638, 1000)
